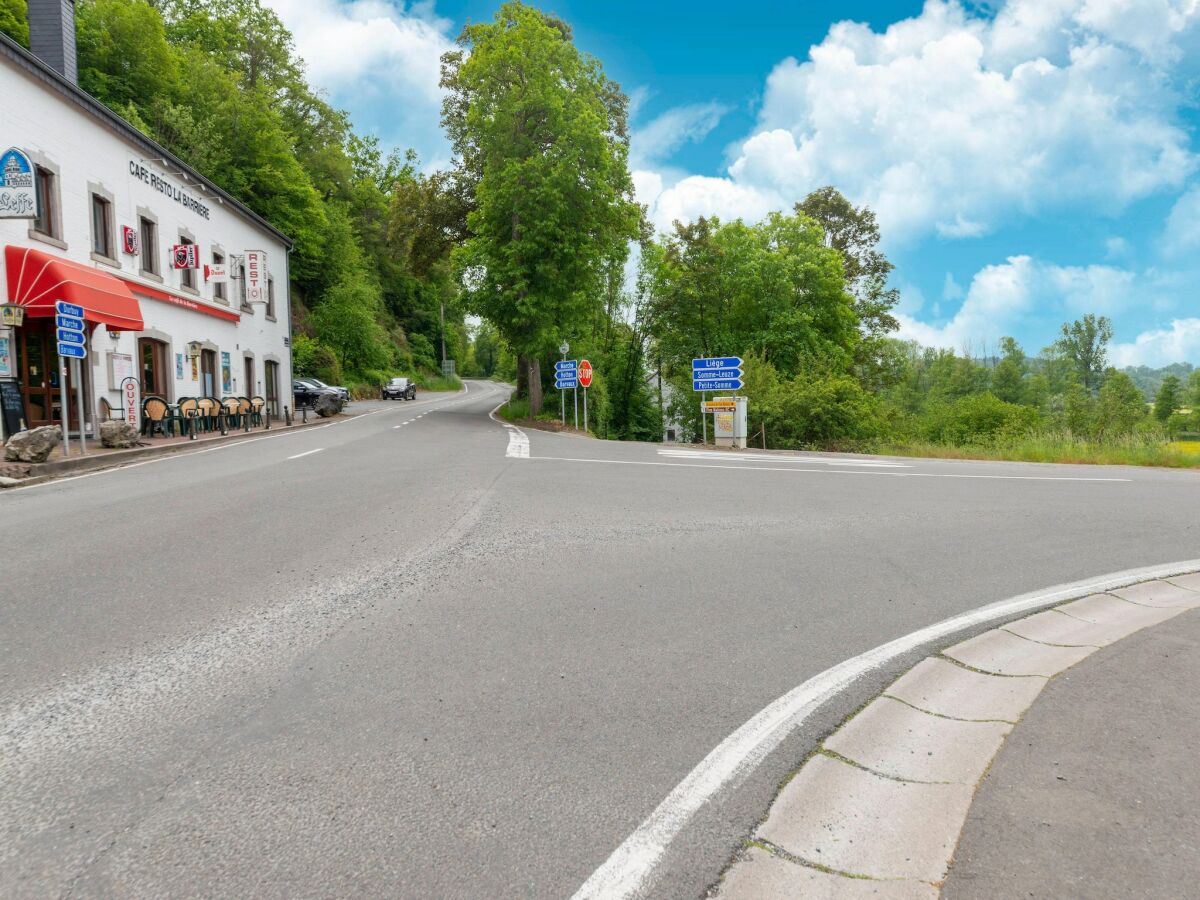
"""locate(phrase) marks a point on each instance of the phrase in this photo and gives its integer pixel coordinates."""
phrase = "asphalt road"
(380, 658)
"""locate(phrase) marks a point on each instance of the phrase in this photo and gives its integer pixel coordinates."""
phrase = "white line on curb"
(306, 453)
(628, 870)
(518, 441)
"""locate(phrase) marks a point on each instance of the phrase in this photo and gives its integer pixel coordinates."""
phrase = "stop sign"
(585, 373)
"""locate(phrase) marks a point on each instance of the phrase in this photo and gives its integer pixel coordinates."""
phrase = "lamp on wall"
(193, 349)
(114, 336)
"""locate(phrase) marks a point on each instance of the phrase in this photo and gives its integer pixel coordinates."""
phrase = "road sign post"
(68, 321)
(565, 376)
(78, 367)
(715, 373)
(585, 381)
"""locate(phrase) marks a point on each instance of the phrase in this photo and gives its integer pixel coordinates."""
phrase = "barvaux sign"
(18, 187)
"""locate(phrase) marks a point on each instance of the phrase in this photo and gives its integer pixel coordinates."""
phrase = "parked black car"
(331, 387)
(400, 389)
(306, 392)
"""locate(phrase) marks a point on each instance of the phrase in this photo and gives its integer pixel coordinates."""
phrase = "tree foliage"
(541, 147)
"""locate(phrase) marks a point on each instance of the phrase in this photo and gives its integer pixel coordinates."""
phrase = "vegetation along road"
(494, 652)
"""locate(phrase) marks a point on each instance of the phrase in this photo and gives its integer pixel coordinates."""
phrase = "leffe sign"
(18, 188)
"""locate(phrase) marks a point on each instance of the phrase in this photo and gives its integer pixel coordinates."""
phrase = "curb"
(877, 809)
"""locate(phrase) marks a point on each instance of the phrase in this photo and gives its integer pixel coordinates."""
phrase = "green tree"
(539, 137)
(1192, 395)
(1084, 343)
(1008, 378)
(1079, 410)
(854, 232)
(1168, 399)
(1121, 405)
(14, 20)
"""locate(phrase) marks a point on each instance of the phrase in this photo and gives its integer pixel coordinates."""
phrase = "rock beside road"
(328, 405)
(118, 434)
(33, 445)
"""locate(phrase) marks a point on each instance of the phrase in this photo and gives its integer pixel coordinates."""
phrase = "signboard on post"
(69, 331)
(720, 404)
(566, 374)
(18, 187)
(129, 401)
(255, 262)
(585, 374)
(718, 373)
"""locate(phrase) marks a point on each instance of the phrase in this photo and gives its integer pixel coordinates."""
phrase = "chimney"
(52, 35)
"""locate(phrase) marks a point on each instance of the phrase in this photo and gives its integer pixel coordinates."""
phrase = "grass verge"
(1061, 448)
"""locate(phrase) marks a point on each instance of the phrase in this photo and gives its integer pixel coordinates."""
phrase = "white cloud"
(1161, 347)
(948, 123)
(1005, 298)
(369, 53)
(1183, 225)
(658, 139)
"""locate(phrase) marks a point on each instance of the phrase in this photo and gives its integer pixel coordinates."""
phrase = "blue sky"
(1029, 160)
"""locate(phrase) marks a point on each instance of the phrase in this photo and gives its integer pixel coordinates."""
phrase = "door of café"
(37, 368)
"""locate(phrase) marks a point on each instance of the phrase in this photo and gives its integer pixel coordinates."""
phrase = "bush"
(976, 419)
(312, 359)
(818, 411)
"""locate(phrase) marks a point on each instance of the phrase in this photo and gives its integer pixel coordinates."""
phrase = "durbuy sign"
(137, 170)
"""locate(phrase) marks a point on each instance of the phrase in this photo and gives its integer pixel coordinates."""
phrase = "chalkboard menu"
(11, 406)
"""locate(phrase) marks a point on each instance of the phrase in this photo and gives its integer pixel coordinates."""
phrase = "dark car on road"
(400, 389)
(344, 392)
(307, 390)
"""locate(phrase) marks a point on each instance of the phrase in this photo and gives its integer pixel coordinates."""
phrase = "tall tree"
(1121, 406)
(1084, 343)
(539, 134)
(1168, 399)
(854, 232)
(1008, 378)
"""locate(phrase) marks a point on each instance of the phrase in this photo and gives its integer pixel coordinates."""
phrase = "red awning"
(37, 279)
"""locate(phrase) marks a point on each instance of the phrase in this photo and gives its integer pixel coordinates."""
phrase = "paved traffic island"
(878, 809)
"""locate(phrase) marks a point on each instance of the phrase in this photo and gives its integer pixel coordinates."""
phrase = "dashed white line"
(306, 453)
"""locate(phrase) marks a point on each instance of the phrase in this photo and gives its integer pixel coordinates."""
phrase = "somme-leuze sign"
(18, 187)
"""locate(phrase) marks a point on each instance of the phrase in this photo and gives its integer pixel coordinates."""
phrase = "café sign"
(18, 190)
(167, 189)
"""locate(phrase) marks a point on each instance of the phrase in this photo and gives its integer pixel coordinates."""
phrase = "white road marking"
(306, 453)
(518, 441)
(754, 457)
(698, 465)
(628, 871)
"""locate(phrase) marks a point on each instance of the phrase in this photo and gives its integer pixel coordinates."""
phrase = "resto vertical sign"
(256, 276)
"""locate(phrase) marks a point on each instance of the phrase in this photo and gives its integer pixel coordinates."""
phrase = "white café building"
(112, 209)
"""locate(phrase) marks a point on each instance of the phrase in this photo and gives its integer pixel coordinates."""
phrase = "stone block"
(941, 687)
(894, 739)
(1159, 593)
(1104, 609)
(1053, 627)
(761, 876)
(851, 820)
(1002, 653)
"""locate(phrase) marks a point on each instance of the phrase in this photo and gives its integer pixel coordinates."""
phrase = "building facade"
(115, 213)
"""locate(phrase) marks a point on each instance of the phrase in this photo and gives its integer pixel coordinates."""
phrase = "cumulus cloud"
(371, 53)
(1160, 347)
(948, 123)
(662, 136)
(1006, 298)
(1183, 225)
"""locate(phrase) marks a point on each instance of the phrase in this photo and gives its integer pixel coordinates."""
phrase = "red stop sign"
(585, 373)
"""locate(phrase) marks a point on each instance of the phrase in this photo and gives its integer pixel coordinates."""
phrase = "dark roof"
(11, 50)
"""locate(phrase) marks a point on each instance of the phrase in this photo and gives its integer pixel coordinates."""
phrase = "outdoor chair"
(110, 413)
(189, 413)
(232, 410)
(256, 410)
(158, 416)
(206, 409)
(244, 409)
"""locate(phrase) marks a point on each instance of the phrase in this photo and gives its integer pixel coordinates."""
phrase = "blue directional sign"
(566, 365)
(68, 309)
(562, 383)
(707, 374)
(716, 362)
(65, 336)
(74, 351)
(70, 323)
(717, 384)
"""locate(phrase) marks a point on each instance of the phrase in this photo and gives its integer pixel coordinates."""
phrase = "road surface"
(417, 654)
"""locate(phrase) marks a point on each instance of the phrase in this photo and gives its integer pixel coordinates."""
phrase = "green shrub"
(819, 411)
(975, 419)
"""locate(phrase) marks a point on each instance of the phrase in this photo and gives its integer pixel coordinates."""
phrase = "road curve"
(389, 657)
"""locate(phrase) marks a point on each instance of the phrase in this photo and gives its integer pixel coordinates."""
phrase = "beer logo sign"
(185, 256)
(129, 240)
